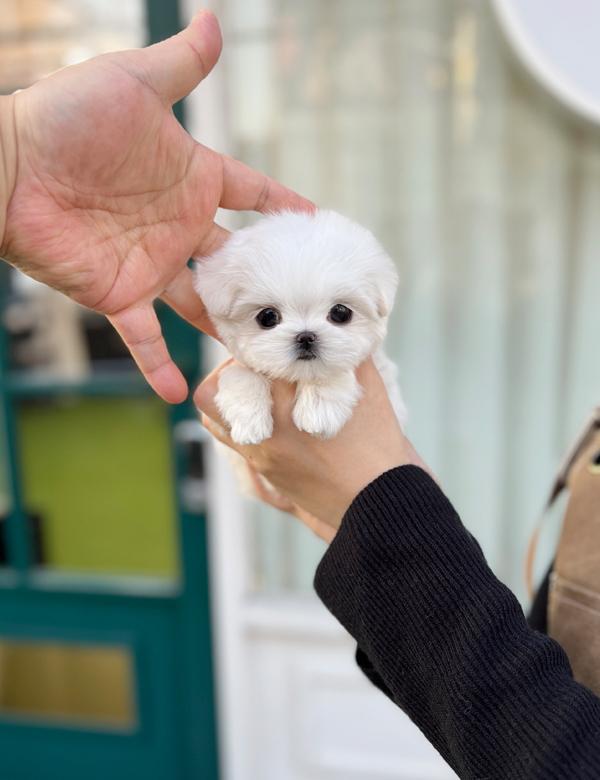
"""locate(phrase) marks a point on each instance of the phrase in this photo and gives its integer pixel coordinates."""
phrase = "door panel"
(148, 745)
(98, 483)
(64, 683)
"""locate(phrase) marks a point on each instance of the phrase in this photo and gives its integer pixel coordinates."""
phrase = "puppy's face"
(299, 297)
(303, 337)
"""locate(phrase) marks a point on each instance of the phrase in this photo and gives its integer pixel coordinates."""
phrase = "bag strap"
(579, 444)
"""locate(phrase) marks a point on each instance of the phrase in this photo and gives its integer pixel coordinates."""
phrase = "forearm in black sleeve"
(449, 642)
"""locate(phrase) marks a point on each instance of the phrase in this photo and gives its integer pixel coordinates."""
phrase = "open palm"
(111, 196)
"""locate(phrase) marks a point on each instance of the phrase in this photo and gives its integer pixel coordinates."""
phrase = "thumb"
(173, 68)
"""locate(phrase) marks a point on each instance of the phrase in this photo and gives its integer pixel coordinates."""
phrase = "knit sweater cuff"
(400, 526)
(449, 642)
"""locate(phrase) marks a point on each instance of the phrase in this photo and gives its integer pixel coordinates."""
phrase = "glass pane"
(41, 36)
(98, 484)
(52, 339)
(79, 685)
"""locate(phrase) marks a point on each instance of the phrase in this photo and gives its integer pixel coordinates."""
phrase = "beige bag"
(574, 597)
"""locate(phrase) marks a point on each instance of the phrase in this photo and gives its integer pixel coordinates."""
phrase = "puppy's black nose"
(306, 339)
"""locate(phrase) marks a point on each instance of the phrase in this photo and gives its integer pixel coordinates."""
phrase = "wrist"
(8, 161)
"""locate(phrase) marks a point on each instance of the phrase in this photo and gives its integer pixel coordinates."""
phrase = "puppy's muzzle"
(306, 345)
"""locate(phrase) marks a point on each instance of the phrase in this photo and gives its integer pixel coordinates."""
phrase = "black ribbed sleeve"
(449, 643)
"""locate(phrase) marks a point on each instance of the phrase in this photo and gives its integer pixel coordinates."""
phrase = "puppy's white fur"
(301, 265)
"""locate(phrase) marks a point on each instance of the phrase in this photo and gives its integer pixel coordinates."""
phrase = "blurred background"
(152, 622)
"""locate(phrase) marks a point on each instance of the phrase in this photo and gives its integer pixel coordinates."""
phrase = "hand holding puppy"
(317, 479)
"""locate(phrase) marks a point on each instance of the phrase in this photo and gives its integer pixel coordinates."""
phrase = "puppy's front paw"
(323, 410)
(321, 416)
(251, 432)
(244, 400)
(320, 419)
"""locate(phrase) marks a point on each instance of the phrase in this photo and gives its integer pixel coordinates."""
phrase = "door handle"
(190, 440)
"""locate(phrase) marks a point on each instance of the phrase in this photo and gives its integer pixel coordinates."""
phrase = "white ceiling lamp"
(559, 41)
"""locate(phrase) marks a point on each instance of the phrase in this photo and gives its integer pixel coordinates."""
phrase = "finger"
(284, 397)
(205, 395)
(182, 298)
(173, 68)
(210, 243)
(269, 496)
(374, 391)
(367, 374)
(217, 431)
(140, 330)
(248, 190)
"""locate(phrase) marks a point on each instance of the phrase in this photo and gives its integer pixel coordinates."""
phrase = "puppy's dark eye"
(268, 318)
(340, 314)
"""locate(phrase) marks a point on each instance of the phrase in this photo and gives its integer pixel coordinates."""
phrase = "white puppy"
(305, 298)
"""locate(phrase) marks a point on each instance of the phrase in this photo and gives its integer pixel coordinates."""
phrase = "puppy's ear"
(384, 305)
(222, 277)
(216, 282)
(385, 290)
(211, 285)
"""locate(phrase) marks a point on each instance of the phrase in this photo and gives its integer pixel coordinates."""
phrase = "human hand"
(317, 480)
(108, 197)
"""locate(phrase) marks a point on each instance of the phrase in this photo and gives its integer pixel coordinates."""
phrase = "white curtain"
(412, 117)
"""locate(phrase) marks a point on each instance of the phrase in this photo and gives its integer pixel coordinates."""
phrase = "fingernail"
(208, 18)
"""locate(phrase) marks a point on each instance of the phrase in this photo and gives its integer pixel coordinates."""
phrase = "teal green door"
(105, 642)
(105, 654)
